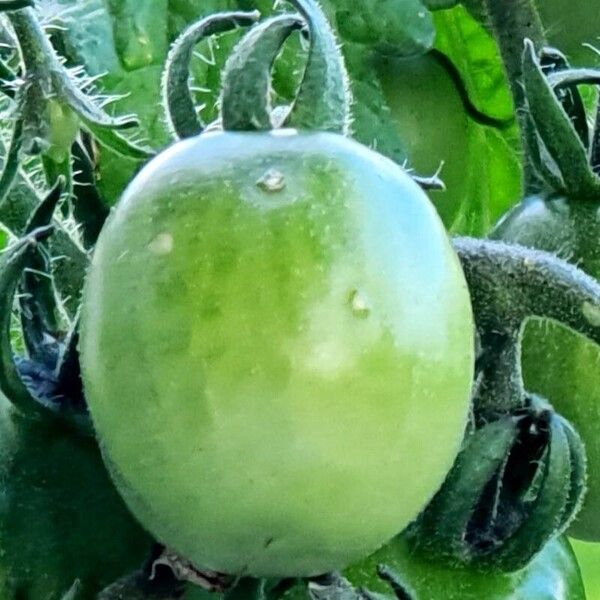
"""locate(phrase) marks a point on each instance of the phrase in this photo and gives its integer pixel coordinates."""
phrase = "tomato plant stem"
(514, 21)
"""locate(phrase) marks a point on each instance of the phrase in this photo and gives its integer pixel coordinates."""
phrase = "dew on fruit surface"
(359, 304)
(162, 244)
(272, 181)
(591, 313)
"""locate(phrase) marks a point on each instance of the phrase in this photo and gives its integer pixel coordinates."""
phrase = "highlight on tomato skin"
(303, 333)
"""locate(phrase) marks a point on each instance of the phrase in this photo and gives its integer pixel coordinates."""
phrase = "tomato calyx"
(178, 104)
(560, 145)
(50, 101)
(47, 382)
(247, 76)
(520, 477)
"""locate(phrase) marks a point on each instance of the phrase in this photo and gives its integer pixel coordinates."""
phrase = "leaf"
(492, 183)
(140, 31)
(474, 53)
(398, 27)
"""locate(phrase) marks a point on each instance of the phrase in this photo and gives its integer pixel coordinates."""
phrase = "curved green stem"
(510, 283)
(43, 67)
(178, 103)
(37, 298)
(246, 95)
(323, 98)
(570, 77)
(500, 388)
(88, 207)
(514, 21)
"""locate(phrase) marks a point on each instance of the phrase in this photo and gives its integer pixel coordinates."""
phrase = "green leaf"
(474, 53)
(398, 27)
(492, 183)
(140, 31)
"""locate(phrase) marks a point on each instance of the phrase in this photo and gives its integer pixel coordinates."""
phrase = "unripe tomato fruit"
(558, 363)
(277, 348)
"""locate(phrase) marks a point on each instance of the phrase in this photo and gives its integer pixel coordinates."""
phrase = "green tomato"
(60, 517)
(557, 363)
(277, 348)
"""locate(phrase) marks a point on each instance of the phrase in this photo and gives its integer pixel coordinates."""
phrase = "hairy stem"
(514, 21)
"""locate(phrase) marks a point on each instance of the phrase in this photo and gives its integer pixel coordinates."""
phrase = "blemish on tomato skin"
(591, 313)
(162, 244)
(272, 181)
(359, 304)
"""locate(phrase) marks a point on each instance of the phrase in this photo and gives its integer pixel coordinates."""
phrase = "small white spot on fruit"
(591, 313)
(359, 304)
(162, 244)
(272, 181)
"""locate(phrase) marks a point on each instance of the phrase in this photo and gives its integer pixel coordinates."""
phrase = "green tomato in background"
(557, 363)
(570, 25)
(277, 350)
(61, 519)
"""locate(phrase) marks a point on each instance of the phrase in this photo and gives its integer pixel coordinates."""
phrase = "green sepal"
(554, 61)
(88, 207)
(572, 77)
(445, 520)
(11, 160)
(178, 103)
(14, 261)
(331, 587)
(323, 99)
(246, 87)
(365, 594)
(37, 298)
(544, 519)
(111, 139)
(557, 131)
(578, 474)
(73, 592)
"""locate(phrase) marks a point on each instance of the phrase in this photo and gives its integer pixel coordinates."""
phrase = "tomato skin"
(558, 363)
(60, 517)
(266, 368)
